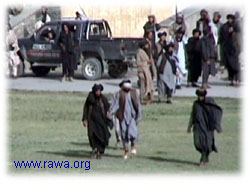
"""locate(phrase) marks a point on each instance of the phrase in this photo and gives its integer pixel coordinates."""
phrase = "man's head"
(216, 17)
(203, 14)
(196, 33)
(237, 15)
(151, 18)
(77, 14)
(179, 34)
(150, 35)
(65, 28)
(44, 10)
(97, 89)
(230, 18)
(162, 36)
(201, 93)
(179, 18)
(126, 85)
(143, 44)
(50, 36)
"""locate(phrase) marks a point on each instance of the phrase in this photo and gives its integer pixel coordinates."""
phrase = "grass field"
(46, 126)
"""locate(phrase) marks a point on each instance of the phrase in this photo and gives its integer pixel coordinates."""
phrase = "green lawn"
(46, 126)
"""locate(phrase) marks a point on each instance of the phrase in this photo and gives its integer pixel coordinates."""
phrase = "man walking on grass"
(127, 108)
(95, 119)
(205, 117)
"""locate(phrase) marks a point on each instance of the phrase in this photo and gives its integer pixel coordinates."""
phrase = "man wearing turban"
(96, 121)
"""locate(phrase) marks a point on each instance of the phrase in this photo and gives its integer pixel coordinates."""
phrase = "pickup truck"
(95, 49)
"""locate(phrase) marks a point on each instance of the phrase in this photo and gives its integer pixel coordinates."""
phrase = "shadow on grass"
(87, 144)
(76, 154)
(169, 160)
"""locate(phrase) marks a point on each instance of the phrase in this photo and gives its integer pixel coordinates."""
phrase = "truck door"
(45, 48)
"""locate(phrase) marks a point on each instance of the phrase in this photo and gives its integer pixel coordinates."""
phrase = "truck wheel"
(92, 68)
(40, 70)
(117, 70)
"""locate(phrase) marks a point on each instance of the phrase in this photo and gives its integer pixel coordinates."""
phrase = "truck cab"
(96, 51)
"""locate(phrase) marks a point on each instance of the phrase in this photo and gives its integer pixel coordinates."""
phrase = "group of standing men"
(169, 61)
(166, 63)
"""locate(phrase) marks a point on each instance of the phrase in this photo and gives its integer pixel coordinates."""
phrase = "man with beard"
(66, 43)
(208, 57)
(166, 67)
(180, 42)
(205, 117)
(127, 108)
(145, 77)
(178, 24)
(151, 26)
(95, 119)
(194, 58)
(161, 43)
(204, 22)
(230, 48)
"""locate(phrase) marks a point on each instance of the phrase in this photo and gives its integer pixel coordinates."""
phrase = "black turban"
(230, 16)
(201, 92)
(203, 11)
(196, 30)
(97, 87)
(142, 43)
(162, 34)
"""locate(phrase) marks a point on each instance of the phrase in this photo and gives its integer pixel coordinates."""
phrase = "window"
(97, 29)
(47, 33)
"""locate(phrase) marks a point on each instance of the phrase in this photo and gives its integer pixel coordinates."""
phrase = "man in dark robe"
(194, 58)
(205, 117)
(230, 46)
(151, 26)
(204, 22)
(95, 118)
(66, 43)
(208, 56)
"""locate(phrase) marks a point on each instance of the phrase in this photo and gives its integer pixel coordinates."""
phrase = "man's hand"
(109, 116)
(231, 29)
(85, 123)
(208, 62)
(218, 131)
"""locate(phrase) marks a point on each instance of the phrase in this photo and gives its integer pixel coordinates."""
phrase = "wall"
(124, 20)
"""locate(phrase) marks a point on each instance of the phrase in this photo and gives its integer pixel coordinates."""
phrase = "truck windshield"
(98, 29)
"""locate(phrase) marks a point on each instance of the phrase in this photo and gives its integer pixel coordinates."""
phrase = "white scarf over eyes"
(127, 85)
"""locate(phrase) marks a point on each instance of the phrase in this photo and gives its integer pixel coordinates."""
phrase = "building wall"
(124, 20)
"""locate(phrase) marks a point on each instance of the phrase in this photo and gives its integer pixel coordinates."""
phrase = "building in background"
(124, 20)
